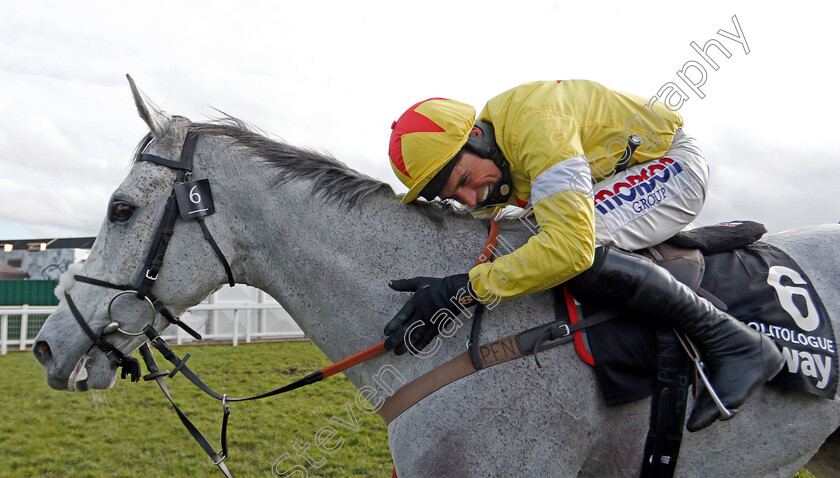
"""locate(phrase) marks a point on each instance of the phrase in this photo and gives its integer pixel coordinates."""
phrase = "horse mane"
(332, 180)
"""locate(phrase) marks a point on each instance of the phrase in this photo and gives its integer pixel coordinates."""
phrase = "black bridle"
(181, 202)
(191, 200)
(154, 259)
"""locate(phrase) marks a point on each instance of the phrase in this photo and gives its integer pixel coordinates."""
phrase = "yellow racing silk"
(558, 137)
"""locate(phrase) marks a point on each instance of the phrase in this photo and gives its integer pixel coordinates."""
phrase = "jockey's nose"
(467, 197)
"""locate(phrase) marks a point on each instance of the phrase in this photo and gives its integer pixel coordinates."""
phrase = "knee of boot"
(581, 283)
(617, 277)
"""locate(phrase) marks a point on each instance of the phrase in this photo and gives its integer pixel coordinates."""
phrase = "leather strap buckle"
(562, 331)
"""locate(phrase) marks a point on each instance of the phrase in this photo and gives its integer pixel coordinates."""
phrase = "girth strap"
(500, 351)
(668, 403)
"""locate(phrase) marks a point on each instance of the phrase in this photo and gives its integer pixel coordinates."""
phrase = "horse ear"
(157, 119)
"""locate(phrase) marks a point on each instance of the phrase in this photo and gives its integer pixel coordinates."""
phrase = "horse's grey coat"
(328, 266)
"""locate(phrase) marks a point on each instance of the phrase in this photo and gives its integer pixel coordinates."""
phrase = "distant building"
(44, 258)
(49, 258)
(9, 272)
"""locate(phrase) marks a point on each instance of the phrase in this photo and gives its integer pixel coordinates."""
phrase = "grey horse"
(324, 240)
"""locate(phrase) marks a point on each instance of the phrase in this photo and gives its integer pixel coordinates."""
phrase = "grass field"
(131, 430)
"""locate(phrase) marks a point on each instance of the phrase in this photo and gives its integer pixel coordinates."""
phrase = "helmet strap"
(500, 192)
(486, 147)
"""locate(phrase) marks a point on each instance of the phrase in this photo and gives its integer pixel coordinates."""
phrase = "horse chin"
(92, 371)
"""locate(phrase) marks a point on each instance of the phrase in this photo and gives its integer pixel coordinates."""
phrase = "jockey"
(557, 147)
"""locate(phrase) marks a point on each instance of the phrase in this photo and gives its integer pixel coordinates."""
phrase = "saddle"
(753, 281)
(627, 352)
(636, 361)
(683, 255)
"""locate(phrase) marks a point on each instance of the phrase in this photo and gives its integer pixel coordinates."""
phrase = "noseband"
(191, 200)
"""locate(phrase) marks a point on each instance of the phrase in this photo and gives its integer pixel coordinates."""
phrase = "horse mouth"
(77, 382)
(91, 373)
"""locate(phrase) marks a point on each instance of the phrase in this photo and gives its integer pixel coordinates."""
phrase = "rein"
(180, 366)
(218, 457)
(192, 200)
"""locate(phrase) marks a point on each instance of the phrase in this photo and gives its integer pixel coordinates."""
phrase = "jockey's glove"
(433, 308)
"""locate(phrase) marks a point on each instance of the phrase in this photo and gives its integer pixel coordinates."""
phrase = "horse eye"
(121, 211)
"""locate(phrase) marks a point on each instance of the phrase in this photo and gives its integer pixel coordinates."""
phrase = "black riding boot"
(738, 358)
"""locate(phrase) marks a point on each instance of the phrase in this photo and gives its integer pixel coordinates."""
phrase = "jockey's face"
(471, 180)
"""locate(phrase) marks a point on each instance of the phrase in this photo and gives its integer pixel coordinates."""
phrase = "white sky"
(334, 75)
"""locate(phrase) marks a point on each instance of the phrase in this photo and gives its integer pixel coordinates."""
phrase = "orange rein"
(353, 360)
(490, 246)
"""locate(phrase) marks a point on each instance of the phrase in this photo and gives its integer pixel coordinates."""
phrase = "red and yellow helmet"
(425, 138)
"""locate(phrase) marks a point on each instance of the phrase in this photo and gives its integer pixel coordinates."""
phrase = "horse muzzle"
(69, 359)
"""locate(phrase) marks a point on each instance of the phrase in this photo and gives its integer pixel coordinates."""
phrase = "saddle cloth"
(757, 284)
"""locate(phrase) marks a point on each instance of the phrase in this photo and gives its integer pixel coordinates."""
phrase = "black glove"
(431, 295)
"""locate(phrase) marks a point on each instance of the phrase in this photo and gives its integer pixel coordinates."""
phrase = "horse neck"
(329, 266)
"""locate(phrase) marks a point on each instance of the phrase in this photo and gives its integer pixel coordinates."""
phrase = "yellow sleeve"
(547, 149)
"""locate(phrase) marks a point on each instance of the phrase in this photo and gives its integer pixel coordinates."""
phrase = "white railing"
(29, 316)
(216, 322)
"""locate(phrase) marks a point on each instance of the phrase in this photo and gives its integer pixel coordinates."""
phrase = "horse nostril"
(42, 351)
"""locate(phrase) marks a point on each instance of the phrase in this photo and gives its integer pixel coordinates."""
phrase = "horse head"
(122, 287)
